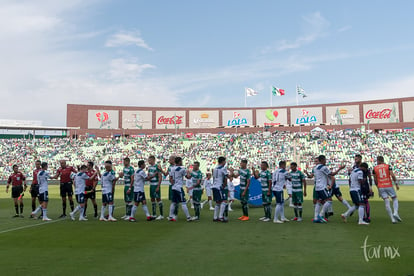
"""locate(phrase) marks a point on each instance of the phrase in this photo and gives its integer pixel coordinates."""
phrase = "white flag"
(301, 91)
(251, 92)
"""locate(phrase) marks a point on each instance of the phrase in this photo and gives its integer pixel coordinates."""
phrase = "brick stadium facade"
(106, 121)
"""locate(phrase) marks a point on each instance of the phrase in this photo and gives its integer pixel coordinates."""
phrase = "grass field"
(64, 247)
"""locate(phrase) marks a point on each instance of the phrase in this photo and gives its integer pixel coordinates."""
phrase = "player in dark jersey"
(90, 188)
(366, 187)
(34, 187)
(66, 189)
(18, 182)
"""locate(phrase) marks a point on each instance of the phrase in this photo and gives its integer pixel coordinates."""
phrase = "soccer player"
(312, 175)
(171, 161)
(207, 187)
(188, 185)
(322, 187)
(34, 187)
(244, 174)
(42, 178)
(279, 179)
(196, 177)
(357, 178)
(298, 189)
(384, 177)
(90, 188)
(137, 187)
(336, 191)
(155, 187)
(66, 189)
(177, 180)
(80, 185)
(366, 188)
(128, 175)
(18, 182)
(266, 183)
(108, 187)
(230, 193)
(220, 175)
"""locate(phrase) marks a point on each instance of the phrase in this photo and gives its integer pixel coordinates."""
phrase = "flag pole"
(297, 98)
(271, 97)
(245, 98)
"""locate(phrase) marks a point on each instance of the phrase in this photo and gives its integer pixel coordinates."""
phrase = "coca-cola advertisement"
(170, 119)
(381, 113)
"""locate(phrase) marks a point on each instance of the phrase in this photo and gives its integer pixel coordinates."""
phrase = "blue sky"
(199, 53)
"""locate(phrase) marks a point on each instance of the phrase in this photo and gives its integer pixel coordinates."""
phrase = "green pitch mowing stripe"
(205, 248)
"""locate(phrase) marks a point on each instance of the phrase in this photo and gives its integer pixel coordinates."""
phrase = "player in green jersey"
(298, 189)
(155, 187)
(244, 174)
(196, 177)
(265, 177)
(128, 175)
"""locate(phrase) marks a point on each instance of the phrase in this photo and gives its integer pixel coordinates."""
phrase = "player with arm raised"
(279, 179)
(266, 183)
(42, 178)
(298, 190)
(90, 188)
(80, 185)
(384, 177)
(178, 172)
(356, 179)
(220, 175)
(18, 182)
(196, 177)
(312, 175)
(137, 187)
(108, 187)
(66, 189)
(155, 172)
(244, 174)
(128, 175)
(34, 187)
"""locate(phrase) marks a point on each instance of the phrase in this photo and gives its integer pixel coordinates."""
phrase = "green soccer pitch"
(65, 247)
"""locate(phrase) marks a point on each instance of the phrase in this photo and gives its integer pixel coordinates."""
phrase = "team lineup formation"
(217, 184)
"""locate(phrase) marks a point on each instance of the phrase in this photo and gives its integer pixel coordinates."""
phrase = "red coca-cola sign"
(383, 114)
(174, 120)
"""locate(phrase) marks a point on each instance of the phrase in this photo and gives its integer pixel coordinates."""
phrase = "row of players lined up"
(85, 182)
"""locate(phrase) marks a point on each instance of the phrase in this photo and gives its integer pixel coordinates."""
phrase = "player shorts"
(107, 198)
(356, 197)
(387, 192)
(44, 197)
(128, 197)
(209, 192)
(266, 199)
(139, 197)
(218, 195)
(16, 191)
(169, 192)
(279, 197)
(245, 198)
(178, 196)
(154, 193)
(80, 198)
(66, 189)
(34, 191)
(190, 192)
(197, 196)
(336, 192)
(231, 195)
(289, 189)
(297, 197)
(323, 195)
(89, 194)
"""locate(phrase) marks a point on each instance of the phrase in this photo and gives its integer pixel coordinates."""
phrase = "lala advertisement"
(235, 118)
(306, 115)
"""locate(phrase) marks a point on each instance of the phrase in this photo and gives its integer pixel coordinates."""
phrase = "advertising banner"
(170, 119)
(306, 115)
(408, 111)
(136, 119)
(381, 113)
(271, 117)
(103, 119)
(241, 117)
(342, 115)
(204, 119)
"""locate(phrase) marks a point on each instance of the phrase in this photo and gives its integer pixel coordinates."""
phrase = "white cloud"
(127, 38)
(344, 28)
(122, 70)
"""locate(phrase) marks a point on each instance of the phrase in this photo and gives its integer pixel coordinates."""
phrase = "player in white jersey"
(42, 178)
(177, 175)
(220, 175)
(188, 185)
(279, 180)
(322, 187)
(108, 186)
(356, 180)
(230, 188)
(137, 187)
(79, 182)
(209, 193)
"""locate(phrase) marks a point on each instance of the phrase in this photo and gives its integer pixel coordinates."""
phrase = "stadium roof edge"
(38, 128)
